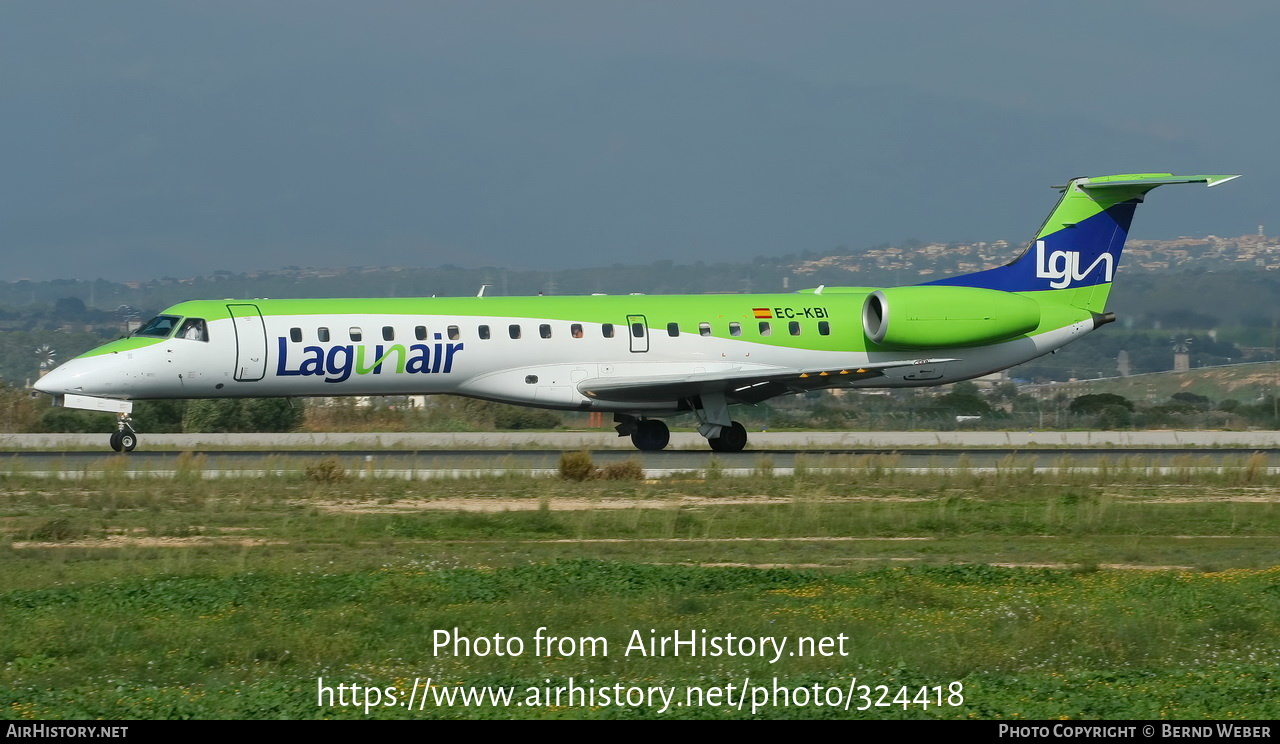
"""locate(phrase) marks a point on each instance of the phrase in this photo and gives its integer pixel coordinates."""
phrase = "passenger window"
(420, 333)
(483, 332)
(794, 327)
(514, 330)
(637, 330)
(765, 330)
(194, 330)
(544, 330)
(824, 328)
(704, 329)
(575, 330)
(295, 335)
(388, 333)
(355, 333)
(607, 330)
(454, 334)
(322, 334)
(735, 329)
(673, 329)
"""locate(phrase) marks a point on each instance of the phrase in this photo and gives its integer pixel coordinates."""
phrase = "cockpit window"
(194, 329)
(158, 327)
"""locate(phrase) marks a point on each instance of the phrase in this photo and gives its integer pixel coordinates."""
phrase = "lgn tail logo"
(1063, 267)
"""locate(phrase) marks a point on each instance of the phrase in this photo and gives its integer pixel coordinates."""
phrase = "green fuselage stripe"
(793, 320)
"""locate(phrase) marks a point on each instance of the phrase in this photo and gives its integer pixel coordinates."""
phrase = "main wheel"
(116, 444)
(651, 435)
(733, 438)
(128, 440)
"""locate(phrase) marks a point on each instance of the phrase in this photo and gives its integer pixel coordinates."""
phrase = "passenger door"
(251, 342)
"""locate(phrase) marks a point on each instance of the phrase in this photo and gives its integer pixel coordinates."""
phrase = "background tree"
(1096, 402)
(964, 400)
(241, 415)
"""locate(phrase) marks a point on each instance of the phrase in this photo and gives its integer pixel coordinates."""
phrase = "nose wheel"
(124, 438)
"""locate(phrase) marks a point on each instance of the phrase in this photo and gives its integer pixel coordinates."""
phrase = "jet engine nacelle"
(926, 317)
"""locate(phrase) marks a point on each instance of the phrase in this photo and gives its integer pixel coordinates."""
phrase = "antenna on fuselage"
(483, 287)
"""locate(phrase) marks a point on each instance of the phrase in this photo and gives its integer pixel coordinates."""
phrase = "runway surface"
(606, 439)
(471, 462)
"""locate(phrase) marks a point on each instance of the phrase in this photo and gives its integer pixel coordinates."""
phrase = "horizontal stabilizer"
(1146, 179)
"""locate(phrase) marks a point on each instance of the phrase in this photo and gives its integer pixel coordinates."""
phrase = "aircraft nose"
(56, 382)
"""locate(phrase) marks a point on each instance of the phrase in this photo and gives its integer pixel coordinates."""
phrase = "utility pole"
(1275, 372)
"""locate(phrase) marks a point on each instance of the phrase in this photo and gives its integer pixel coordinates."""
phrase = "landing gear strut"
(124, 438)
(723, 434)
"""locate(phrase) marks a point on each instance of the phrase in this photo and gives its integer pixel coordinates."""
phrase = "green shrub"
(70, 420)
(517, 417)
(629, 469)
(241, 415)
(326, 471)
(577, 466)
(57, 529)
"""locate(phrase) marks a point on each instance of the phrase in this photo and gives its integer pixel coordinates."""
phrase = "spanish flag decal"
(762, 312)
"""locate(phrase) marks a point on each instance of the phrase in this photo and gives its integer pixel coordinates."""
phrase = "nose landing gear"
(124, 438)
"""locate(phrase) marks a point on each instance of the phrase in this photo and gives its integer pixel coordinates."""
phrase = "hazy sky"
(145, 139)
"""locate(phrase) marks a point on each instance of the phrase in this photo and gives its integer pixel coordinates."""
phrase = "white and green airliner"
(640, 357)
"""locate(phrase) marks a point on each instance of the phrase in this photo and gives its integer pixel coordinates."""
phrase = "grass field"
(1112, 591)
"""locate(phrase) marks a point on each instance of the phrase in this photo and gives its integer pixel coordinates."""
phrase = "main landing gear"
(652, 435)
(733, 438)
(124, 438)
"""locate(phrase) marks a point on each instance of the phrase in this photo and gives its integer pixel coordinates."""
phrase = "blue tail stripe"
(1082, 255)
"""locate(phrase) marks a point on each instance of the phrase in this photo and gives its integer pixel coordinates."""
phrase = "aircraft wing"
(746, 386)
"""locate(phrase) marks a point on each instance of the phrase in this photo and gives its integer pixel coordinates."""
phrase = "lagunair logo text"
(337, 363)
(1063, 267)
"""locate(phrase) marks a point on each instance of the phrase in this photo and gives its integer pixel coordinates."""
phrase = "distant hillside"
(1243, 382)
(1146, 261)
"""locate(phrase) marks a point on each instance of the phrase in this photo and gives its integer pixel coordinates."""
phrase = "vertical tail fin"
(1078, 248)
